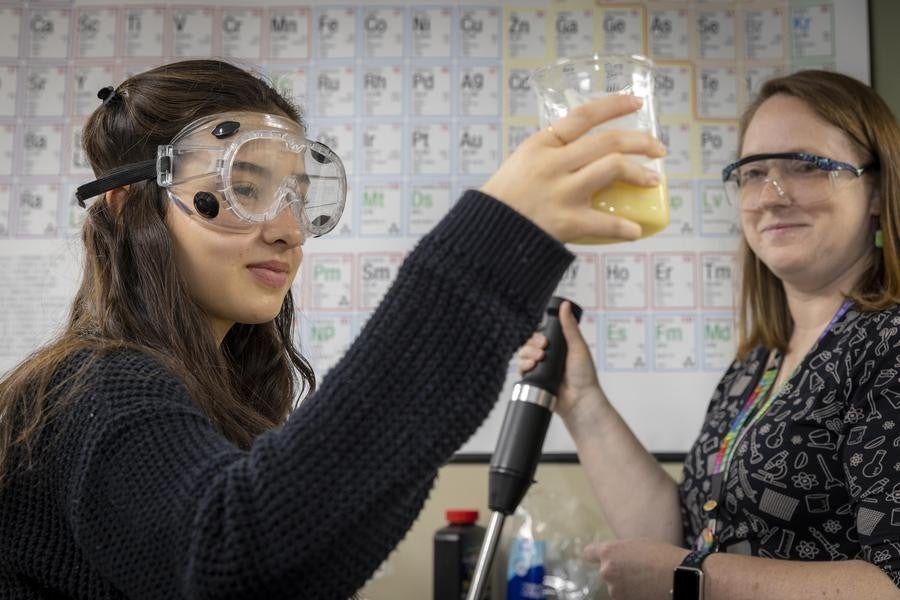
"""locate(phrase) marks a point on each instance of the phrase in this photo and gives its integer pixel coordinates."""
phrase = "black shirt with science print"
(818, 476)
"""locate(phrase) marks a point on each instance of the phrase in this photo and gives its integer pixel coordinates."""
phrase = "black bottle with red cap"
(456, 548)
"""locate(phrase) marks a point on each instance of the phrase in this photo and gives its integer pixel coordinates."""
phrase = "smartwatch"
(687, 584)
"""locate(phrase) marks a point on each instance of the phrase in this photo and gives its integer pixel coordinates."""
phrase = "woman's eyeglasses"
(797, 177)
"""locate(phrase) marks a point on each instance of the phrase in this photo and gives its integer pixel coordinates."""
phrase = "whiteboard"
(423, 100)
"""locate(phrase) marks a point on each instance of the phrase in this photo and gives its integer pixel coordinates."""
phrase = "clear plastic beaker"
(575, 81)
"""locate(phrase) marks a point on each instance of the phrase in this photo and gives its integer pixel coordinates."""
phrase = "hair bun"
(107, 94)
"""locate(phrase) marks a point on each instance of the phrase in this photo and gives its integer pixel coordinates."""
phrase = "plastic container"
(572, 82)
(456, 549)
(525, 571)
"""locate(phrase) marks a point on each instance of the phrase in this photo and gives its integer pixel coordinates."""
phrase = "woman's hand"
(552, 182)
(636, 569)
(579, 385)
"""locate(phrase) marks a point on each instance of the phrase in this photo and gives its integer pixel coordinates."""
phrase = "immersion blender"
(522, 437)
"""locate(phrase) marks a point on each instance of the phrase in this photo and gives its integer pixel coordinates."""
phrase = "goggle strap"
(124, 175)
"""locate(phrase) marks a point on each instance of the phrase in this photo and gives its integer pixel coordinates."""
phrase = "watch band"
(687, 580)
(695, 558)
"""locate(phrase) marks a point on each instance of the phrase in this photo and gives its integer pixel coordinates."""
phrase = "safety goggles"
(804, 179)
(232, 171)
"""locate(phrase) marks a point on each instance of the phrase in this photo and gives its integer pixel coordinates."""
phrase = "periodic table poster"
(423, 100)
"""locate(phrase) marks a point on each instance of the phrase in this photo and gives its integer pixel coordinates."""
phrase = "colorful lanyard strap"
(706, 541)
(759, 401)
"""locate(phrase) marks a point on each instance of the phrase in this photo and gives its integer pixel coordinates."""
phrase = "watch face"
(687, 584)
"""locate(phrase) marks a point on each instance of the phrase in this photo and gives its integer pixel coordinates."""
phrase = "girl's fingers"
(619, 141)
(604, 225)
(587, 116)
(614, 167)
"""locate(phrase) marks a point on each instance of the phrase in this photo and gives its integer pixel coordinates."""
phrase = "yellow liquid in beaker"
(649, 207)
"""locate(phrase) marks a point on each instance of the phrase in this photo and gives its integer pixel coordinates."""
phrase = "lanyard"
(760, 400)
(760, 394)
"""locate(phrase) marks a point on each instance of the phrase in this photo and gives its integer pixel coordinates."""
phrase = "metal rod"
(486, 556)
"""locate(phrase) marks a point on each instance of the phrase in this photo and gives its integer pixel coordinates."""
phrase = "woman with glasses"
(148, 451)
(792, 489)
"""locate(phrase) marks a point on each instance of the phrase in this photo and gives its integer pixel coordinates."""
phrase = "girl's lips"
(271, 265)
(271, 275)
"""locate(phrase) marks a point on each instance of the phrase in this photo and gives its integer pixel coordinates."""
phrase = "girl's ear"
(115, 198)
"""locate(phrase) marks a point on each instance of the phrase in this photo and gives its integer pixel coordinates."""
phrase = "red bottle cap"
(462, 517)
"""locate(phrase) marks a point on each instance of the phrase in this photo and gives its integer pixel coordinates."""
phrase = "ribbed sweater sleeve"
(162, 507)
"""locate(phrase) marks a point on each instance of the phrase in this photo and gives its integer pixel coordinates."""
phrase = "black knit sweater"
(134, 495)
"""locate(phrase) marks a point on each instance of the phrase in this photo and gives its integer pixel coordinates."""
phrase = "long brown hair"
(131, 294)
(858, 111)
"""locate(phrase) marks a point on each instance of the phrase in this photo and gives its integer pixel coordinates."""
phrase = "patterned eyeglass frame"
(825, 164)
